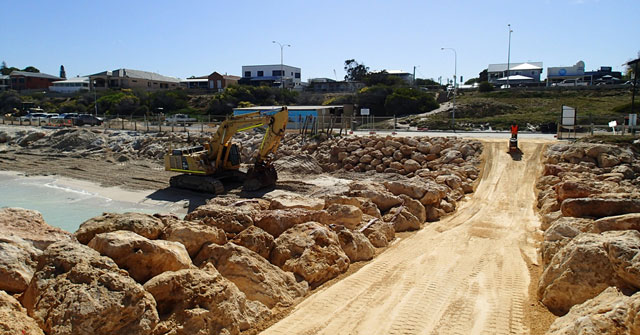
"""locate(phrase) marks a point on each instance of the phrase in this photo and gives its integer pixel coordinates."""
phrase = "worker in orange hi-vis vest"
(514, 129)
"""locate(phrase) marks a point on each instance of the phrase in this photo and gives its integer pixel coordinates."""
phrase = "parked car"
(180, 119)
(572, 82)
(89, 119)
(34, 117)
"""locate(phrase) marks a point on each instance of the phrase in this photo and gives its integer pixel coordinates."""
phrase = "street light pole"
(281, 60)
(509, 55)
(455, 86)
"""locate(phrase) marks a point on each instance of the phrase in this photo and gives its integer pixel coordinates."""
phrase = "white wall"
(289, 71)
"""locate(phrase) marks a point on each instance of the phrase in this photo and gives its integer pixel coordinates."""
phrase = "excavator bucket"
(259, 177)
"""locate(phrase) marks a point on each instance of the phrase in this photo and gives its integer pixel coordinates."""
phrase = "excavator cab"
(204, 166)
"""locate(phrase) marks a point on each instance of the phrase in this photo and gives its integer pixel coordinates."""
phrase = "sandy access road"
(466, 274)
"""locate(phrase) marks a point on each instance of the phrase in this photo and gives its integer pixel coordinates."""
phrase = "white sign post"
(364, 111)
(613, 124)
(568, 119)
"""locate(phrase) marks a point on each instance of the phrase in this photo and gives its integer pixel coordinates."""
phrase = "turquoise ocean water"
(60, 205)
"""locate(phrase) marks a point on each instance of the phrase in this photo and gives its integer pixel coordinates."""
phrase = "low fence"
(589, 125)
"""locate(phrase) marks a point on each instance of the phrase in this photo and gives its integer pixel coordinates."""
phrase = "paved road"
(466, 274)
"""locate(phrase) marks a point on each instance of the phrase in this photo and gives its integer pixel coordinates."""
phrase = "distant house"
(328, 85)
(519, 73)
(71, 85)
(127, 78)
(21, 80)
(5, 82)
(272, 75)
(604, 74)
(214, 81)
(219, 81)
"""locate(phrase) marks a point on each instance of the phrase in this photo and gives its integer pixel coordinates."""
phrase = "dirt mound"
(298, 164)
(74, 139)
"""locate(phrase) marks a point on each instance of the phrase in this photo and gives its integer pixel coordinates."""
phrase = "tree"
(355, 71)
(7, 70)
(31, 69)
(382, 78)
(405, 101)
(485, 87)
(63, 74)
(472, 81)
(426, 82)
(483, 76)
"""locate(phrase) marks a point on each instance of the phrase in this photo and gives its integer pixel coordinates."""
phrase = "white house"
(518, 73)
(70, 85)
(257, 74)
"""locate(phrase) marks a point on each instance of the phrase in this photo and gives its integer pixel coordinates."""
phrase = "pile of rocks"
(590, 204)
(228, 266)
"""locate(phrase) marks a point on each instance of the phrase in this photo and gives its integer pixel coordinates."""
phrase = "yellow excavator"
(204, 166)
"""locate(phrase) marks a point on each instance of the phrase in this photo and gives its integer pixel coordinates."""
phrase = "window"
(148, 84)
(247, 74)
(298, 75)
(260, 73)
(276, 73)
(292, 73)
(134, 81)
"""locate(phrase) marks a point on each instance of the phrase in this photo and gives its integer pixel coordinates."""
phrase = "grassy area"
(499, 108)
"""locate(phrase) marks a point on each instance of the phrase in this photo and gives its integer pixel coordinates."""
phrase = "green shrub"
(485, 87)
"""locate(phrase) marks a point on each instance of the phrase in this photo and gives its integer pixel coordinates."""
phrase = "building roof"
(129, 73)
(526, 66)
(33, 74)
(512, 66)
(194, 80)
(270, 65)
(2, 76)
(73, 80)
(516, 77)
(232, 77)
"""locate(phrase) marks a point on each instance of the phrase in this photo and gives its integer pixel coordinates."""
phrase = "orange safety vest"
(514, 129)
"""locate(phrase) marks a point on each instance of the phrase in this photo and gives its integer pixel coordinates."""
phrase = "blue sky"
(184, 38)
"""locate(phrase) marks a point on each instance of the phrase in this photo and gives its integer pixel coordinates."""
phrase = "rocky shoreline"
(589, 200)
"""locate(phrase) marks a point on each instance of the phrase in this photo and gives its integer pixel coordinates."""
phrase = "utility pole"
(281, 61)
(509, 55)
(455, 86)
(414, 76)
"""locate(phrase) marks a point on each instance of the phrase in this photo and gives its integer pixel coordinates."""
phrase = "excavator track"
(207, 184)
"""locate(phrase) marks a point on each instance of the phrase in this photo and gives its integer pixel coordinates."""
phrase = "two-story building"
(22, 80)
(519, 73)
(273, 75)
(127, 78)
(329, 85)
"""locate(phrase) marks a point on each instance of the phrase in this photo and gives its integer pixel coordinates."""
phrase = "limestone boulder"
(560, 233)
(231, 219)
(195, 301)
(411, 165)
(312, 251)
(606, 160)
(18, 260)
(547, 219)
(30, 137)
(411, 188)
(14, 318)
(296, 201)
(618, 222)
(365, 204)
(415, 207)
(345, 215)
(256, 240)
(141, 257)
(376, 192)
(142, 224)
(599, 207)
(434, 194)
(354, 243)
(77, 291)
(193, 235)
(574, 189)
(589, 264)
(257, 278)
(30, 226)
(402, 219)
(275, 222)
(434, 213)
(378, 232)
(611, 312)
